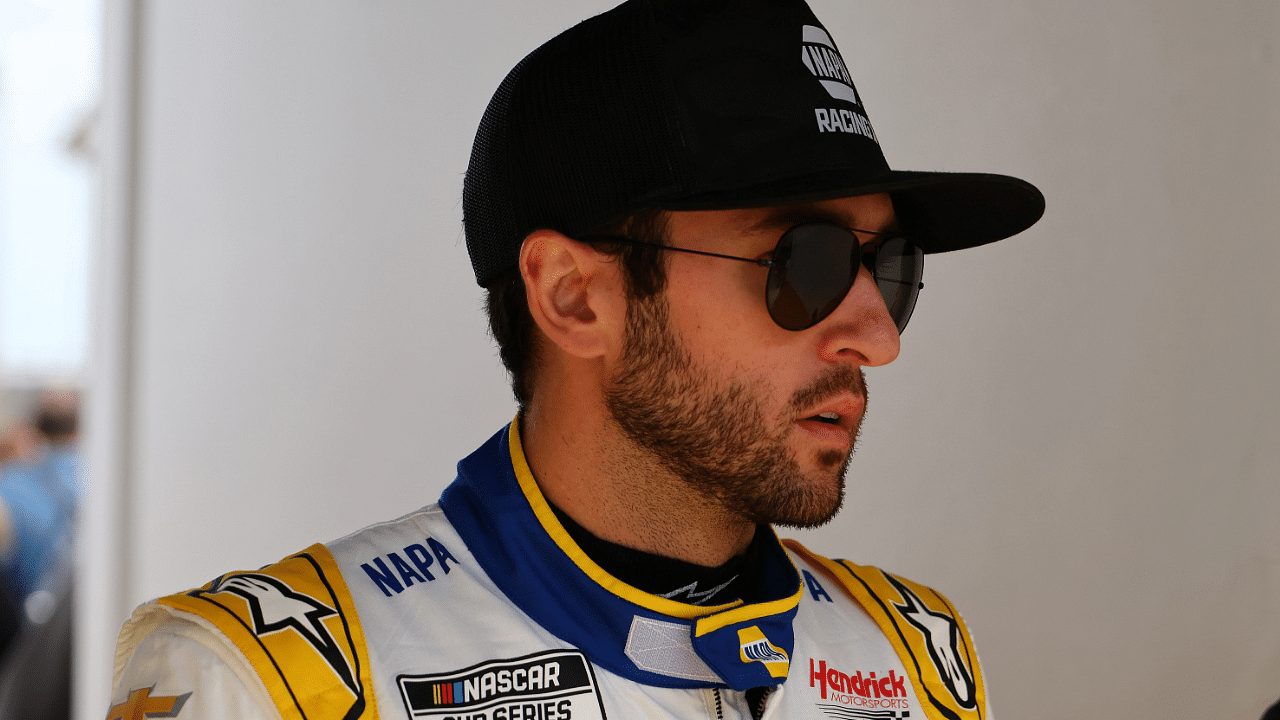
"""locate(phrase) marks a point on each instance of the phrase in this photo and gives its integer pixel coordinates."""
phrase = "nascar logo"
(553, 685)
(444, 693)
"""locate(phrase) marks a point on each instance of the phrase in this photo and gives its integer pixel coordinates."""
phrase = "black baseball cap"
(699, 105)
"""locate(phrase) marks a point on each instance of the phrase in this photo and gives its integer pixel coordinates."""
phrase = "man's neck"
(620, 493)
(737, 579)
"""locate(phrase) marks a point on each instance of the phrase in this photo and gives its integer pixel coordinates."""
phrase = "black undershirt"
(737, 579)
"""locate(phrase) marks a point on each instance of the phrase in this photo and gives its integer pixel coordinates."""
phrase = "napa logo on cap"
(818, 53)
(753, 646)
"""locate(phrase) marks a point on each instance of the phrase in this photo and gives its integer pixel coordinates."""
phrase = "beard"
(714, 433)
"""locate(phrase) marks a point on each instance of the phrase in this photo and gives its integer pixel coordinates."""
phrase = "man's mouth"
(839, 413)
(839, 396)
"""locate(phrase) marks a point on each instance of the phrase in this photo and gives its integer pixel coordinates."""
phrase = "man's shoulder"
(391, 557)
(891, 600)
(924, 628)
(291, 627)
(295, 624)
(859, 580)
(320, 584)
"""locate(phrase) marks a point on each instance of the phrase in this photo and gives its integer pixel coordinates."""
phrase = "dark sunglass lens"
(898, 268)
(814, 267)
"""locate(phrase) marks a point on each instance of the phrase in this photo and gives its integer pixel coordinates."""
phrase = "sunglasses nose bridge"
(867, 257)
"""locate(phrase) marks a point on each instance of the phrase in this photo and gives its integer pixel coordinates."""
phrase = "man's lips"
(843, 412)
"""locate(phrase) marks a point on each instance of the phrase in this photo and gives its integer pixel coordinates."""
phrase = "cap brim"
(943, 211)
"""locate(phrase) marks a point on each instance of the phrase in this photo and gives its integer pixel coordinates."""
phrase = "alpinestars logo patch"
(294, 621)
(276, 607)
(692, 595)
(942, 637)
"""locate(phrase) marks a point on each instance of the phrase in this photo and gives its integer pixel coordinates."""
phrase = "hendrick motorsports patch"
(552, 685)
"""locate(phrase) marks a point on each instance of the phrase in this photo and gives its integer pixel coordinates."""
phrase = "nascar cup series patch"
(553, 685)
(296, 623)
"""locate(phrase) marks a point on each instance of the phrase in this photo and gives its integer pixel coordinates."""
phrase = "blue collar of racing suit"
(497, 508)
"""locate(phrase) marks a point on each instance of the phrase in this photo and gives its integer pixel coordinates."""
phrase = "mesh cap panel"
(571, 140)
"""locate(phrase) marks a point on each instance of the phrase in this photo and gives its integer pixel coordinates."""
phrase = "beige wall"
(1080, 443)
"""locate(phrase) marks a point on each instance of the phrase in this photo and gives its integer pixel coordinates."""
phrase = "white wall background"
(49, 72)
(1080, 443)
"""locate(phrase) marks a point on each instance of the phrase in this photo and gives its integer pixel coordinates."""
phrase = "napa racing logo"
(818, 53)
(753, 646)
(552, 685)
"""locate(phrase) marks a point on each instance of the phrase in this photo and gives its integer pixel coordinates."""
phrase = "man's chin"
(810, 518)
(811, 505)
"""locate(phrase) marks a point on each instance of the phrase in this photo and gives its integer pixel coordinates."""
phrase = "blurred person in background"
(39, 494)
(39, 490)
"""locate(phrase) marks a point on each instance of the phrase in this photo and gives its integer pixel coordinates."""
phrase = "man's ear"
(575, 293)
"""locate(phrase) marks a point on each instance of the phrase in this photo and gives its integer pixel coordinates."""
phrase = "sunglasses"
(814, 265)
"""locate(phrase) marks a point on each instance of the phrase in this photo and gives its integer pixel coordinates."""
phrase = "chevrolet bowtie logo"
(141, 705)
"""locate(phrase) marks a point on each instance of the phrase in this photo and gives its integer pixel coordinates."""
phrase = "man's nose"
(860, 330)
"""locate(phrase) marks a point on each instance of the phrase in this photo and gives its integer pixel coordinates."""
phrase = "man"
(692, 246)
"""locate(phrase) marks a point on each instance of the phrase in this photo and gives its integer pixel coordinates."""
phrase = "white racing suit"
(483, 608)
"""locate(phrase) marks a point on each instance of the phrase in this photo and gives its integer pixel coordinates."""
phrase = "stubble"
(713, 432)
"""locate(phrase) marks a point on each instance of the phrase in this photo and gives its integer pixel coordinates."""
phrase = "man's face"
(730, 402)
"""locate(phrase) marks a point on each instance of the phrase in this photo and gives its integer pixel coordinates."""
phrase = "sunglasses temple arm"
(919, 286)
(761, 263)
(629, 241)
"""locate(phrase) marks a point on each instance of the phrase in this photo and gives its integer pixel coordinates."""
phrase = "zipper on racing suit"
(756, 698)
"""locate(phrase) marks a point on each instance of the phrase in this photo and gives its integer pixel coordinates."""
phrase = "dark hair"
(56, 418)
(512, 325)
